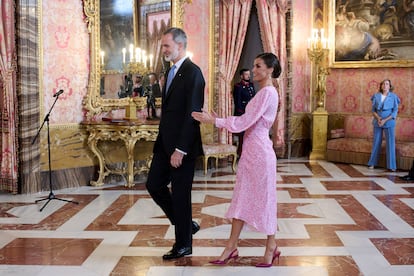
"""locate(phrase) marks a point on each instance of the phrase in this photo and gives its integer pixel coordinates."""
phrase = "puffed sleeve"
(255, 109)
(396, 103)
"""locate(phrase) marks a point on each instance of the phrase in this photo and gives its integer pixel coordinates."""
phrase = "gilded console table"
(129, 132)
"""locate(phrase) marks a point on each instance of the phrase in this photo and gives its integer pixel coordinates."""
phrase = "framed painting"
(148, 12)
(370, 33)
(157, 22)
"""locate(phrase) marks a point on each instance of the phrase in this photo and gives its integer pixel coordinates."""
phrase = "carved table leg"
(234, 162)
(130, 145)
(93, 144)
(205, 163)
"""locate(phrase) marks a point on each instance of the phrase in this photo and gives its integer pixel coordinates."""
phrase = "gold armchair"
(217, 151)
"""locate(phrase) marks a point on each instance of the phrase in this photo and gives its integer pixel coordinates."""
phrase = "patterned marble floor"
(333, 219)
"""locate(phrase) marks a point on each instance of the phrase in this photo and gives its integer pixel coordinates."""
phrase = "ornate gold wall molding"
(67, 147)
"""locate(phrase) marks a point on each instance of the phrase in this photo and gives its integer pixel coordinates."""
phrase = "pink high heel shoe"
(276, 254)
(233, 255)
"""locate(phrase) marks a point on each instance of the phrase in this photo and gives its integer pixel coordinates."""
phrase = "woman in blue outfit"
(384, 108)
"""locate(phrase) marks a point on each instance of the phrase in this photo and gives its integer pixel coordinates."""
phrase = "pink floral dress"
(254, 195)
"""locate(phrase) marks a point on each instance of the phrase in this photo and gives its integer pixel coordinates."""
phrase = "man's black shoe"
(176, 253)
(407, 177)
(195, 227)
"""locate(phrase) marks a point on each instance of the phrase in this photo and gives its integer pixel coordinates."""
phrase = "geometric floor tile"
(332, 219)
(396, 251)
(37, 251)
(351, 185)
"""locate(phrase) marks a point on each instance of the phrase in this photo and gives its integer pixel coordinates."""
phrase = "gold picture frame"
(93, 102)
(364, 34)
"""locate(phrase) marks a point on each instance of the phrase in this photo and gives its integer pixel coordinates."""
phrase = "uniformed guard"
(243, 92)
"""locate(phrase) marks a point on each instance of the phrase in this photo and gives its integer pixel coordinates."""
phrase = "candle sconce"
(318, 52)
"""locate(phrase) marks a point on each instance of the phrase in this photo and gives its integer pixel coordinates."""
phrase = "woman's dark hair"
(380, 86)
(271, 61)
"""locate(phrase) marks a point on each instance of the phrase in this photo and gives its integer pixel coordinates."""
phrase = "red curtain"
(8, 104)
(234, 18)
(272, 21)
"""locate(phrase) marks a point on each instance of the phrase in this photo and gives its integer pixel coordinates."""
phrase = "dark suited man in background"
(243, 92)
(178, 143)
(153, 91)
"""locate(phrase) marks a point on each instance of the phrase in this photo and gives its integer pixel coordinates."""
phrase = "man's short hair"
(243, 70)
(179, 36)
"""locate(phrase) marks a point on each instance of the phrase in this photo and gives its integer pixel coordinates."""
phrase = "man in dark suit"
(243, 92)
(178, 143)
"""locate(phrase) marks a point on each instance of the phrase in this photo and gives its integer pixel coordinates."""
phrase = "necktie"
(170, 78)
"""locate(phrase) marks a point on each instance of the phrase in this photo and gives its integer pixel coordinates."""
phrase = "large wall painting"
(372, 33)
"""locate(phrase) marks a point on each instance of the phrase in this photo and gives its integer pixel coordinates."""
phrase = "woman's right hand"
(205, 117)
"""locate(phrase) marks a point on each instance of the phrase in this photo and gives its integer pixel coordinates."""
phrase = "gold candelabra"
(138, 68)
(318, 52)
(138, 61)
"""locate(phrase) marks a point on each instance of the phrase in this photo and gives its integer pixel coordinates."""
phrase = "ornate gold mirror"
(125, 44)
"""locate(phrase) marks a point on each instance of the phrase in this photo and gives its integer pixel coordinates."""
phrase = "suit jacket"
(156, 90)
(389, 107)
(177, 128)
(242, 94)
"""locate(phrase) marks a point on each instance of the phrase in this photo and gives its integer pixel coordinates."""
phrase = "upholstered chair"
(217, 151)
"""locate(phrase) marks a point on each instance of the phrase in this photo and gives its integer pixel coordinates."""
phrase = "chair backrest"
(404, 129)
(359, 126)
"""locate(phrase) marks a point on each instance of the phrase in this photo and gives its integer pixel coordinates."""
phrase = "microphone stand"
(51, 194)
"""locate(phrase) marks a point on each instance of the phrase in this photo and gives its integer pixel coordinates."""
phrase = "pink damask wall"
(66, 54)
(65, 59)
(350, 90)
(196, 25)
(300, 61)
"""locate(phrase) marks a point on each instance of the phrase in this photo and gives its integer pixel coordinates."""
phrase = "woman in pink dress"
(254, 197)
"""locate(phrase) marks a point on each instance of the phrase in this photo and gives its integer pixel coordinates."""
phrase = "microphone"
(58, 93)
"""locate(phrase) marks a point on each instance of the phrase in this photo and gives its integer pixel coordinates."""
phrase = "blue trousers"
(389, 147)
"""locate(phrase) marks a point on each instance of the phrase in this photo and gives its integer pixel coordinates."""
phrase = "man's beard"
(170, 57)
